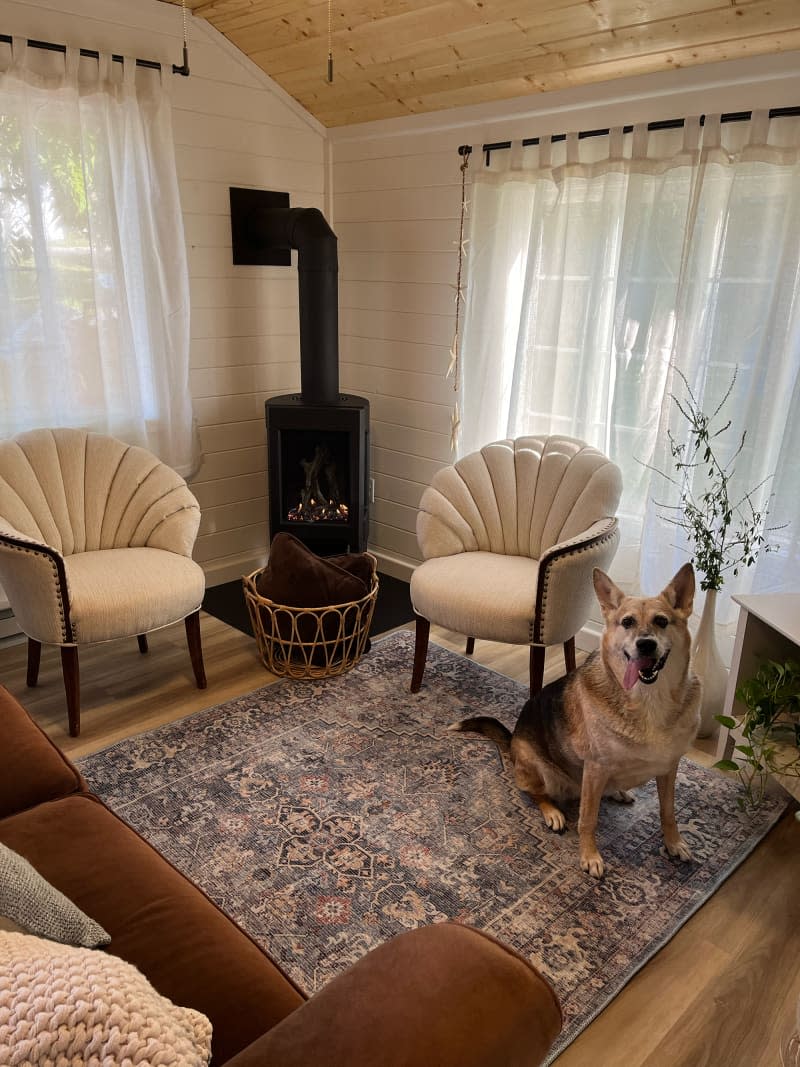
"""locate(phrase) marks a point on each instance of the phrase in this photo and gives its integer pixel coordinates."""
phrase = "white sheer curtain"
(94, 293)
(597, 266)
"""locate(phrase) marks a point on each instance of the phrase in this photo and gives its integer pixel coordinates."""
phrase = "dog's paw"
(678, 849)
(593, 863)
(622, 796)
(553, 818)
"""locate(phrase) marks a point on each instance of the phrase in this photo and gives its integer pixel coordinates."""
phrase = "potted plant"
(768, 728)
(725, 532)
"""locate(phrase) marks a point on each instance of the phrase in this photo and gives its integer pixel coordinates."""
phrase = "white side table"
(768, 628)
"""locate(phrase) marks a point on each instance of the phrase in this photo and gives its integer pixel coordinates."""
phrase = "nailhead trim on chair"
(574, 549)
(59, 574)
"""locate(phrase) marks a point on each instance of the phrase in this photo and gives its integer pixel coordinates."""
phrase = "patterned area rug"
(327, 816)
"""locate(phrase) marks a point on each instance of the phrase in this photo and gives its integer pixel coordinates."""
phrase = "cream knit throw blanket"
(75, 1007)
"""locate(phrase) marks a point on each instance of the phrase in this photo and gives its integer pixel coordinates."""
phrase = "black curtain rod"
(662, 124)
(91, 53)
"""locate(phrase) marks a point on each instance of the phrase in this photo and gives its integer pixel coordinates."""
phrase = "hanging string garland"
(453, 369)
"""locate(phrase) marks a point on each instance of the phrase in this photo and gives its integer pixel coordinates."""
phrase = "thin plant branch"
(724, 535)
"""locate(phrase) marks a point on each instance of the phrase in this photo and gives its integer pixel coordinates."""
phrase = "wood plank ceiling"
(404, 57)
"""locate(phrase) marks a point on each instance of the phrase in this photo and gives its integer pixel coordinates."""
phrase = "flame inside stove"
(316, 505)
(319, 511)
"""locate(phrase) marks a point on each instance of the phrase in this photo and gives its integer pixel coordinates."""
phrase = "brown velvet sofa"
(439, 995)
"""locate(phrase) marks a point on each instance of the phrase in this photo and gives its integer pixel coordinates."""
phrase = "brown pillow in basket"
(300, 578)
(297, 577)
(357, 563)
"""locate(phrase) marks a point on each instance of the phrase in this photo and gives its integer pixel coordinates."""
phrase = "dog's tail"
(483, 724)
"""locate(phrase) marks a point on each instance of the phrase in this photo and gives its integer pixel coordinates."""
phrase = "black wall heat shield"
(247, 248)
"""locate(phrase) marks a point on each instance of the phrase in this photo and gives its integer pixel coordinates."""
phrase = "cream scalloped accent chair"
(96, 539)
(509, 536)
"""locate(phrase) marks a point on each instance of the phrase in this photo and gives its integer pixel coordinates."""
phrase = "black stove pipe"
(305, 229)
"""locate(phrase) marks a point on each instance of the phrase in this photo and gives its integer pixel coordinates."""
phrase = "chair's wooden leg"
(192, 624)
(142, 639)
(569, 655)
(34, 658)
(72, 686)
(420, 651)
(470, 646)
(537, 668)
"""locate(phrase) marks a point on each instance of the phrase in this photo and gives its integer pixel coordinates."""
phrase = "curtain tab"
(515, 162)
(129, 72)
(72, 60)
(165, 79)
(545, 151)
(712, 132)
(639, 146)
(615, 143)
(572, 148)
(691, 133)
(103, 68)
(19, 51)
(759, 128)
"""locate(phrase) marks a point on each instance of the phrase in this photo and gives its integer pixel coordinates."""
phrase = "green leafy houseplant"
(725, 533)
(769, 728)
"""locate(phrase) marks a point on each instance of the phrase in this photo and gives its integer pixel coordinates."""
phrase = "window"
(597, 266)
(94, 300)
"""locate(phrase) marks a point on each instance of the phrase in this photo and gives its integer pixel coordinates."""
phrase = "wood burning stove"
(317, 439)
(318, 471)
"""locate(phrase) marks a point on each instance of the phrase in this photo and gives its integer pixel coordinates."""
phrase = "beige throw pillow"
(37, 907)
(62, 1006)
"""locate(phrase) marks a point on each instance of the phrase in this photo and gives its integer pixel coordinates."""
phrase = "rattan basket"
(310, 642)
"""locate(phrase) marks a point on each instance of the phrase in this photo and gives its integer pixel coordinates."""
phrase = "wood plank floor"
(722, 993)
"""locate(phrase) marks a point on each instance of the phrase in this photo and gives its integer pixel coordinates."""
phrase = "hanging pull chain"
(184, 70)
(330, 41)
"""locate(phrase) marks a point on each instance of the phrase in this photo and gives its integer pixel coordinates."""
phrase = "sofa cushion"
(39, 908)
(37, 771)
(438, 995)
(65, 1005)
(161, 923)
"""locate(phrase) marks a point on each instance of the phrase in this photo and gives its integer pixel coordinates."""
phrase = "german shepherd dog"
(626, 715)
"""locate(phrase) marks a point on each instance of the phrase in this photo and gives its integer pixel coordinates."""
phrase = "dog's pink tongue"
(633, 668)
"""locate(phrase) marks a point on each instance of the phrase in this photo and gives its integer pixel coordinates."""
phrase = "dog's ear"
(680, 591)
(609, 595)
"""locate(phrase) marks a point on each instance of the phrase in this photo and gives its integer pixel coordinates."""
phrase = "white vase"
(709, 668)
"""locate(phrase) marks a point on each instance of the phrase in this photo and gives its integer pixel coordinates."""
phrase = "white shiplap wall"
(396, 187)
(233, 126)
(396, 216)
